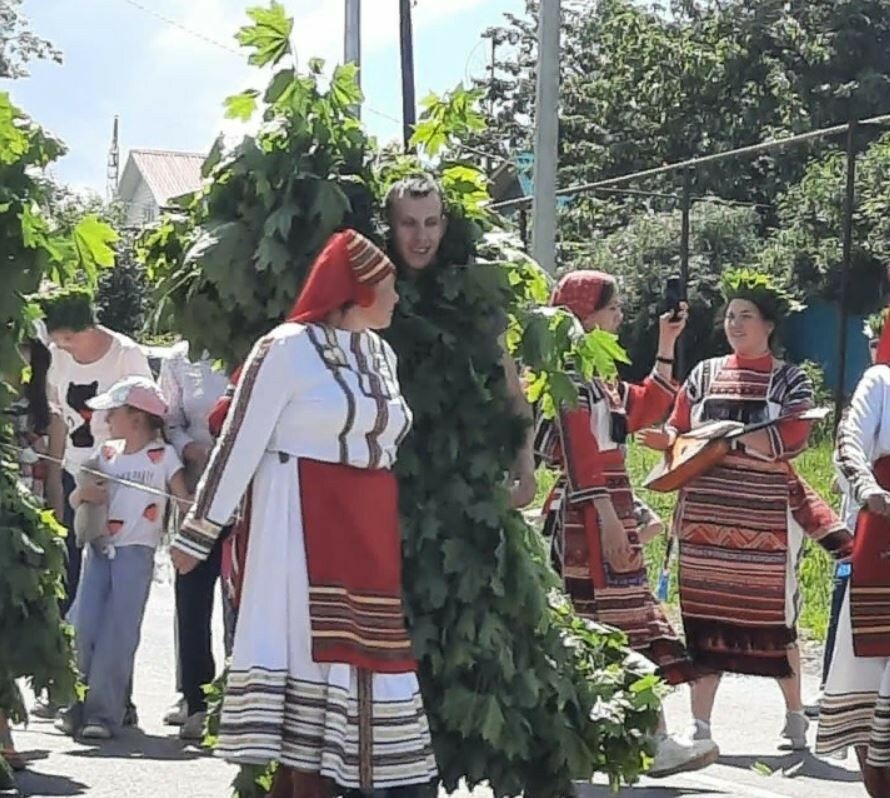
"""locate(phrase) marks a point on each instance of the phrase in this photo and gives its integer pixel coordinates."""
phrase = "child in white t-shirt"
(107, 615)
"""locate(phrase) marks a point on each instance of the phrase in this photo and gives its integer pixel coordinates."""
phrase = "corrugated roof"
(168, 173)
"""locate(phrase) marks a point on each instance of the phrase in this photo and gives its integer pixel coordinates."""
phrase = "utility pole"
(113, 165)
(546, 136)
(406, 42)
(352, 43)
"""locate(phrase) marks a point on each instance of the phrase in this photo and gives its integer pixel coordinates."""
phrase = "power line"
(180, 26)
(702, 160)
(227, 48)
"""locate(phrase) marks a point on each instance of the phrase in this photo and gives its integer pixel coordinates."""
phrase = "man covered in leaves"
(509, 702)
(415, 213)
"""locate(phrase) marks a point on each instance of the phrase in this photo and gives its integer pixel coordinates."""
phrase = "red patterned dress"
(586, 444)
(741, 525)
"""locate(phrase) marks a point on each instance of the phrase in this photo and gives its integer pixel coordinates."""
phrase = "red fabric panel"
(353, 544)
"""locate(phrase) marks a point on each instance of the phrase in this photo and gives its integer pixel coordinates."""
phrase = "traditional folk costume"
(322, 678)
(587, 444)
(741, 525)
(855, 708)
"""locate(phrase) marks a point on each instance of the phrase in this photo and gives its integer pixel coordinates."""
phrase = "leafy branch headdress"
(773, 299)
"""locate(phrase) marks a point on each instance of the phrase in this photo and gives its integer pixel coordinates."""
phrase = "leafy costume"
(509, 700)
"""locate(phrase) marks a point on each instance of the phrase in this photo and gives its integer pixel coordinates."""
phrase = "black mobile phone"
(673, 296)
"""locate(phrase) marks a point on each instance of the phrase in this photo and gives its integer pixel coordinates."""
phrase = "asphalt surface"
(151, 762)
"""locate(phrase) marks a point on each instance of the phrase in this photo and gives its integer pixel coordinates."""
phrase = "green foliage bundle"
(773, 299)
(34, 643)
(234, 260)
(520, 692)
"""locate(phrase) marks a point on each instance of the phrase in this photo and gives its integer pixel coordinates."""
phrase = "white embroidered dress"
(855, 707)
(307, 391)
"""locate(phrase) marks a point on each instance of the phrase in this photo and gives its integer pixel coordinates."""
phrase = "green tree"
(34, 642)
(18, 43)
(808, 244)
(642, 86)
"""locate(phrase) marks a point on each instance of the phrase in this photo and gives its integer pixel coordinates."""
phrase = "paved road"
(153, 763)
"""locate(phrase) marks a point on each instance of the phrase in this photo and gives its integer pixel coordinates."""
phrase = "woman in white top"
(87, 359)
(855, 707)
(191, 388)
(323, 679)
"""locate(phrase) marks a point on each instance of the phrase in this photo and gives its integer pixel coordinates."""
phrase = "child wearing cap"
(119, 560)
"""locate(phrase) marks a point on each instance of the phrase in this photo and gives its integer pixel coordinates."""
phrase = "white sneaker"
(794, 735)
(193, 728)
(677, 756)
(177, 714)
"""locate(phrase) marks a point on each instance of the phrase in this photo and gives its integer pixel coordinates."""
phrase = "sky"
(167, 84)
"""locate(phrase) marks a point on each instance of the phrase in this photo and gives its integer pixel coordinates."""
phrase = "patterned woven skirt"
(623, 600)
(739, 548)
(855, 708)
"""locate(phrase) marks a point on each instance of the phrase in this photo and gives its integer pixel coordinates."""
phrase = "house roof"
(168, 173)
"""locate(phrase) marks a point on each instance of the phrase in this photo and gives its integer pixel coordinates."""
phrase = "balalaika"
(698, 451)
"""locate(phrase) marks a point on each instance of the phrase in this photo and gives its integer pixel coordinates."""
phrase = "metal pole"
(546, 136)
(685, 210)
(849, 208)
(352, 41)
(406, 39)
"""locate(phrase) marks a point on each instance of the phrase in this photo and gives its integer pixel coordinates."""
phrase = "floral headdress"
(773, 299)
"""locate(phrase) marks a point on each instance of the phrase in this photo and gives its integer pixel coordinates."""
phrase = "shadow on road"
(135, 744)
(797, 765)
(583, 790)
(31, 782)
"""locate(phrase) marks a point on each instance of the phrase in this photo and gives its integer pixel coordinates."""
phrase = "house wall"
(141, 207)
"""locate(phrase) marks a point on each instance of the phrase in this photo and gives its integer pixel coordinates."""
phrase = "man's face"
(418, 225)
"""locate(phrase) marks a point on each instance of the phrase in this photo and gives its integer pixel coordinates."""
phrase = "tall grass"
(816, 567)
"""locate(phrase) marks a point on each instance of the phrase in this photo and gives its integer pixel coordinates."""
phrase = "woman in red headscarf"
(855, 707)
(322, 678)
(590, 513)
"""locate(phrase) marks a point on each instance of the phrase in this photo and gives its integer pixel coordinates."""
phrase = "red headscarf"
(882, 355)
(343, 273)
(580, 291)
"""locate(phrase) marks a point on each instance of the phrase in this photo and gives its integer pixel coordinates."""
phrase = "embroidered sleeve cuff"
(586, 494)
(667, 385)
(196, 537)
(864, 489)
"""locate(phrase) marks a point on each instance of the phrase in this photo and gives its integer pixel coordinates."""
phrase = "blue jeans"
(841, 577)
(107, 624)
